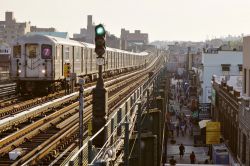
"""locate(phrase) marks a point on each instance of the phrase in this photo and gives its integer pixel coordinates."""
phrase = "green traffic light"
(100, 30)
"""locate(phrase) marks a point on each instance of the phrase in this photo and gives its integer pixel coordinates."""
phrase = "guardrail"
(118, 129)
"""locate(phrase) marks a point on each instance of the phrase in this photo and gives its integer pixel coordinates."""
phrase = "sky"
(186, 20)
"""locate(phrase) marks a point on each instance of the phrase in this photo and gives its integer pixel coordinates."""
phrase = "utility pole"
(100, 94)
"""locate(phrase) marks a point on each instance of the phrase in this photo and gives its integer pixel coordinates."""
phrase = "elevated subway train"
(37, 61)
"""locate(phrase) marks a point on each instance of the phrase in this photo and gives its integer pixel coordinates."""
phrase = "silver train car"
(37, 62)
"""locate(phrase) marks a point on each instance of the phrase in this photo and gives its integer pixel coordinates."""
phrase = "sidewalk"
(187, 140)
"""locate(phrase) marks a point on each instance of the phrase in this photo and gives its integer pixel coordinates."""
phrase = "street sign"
(213, 133)
(213, 138)
(204, 107)
(213, 127)
(204, 110)
(100, 61)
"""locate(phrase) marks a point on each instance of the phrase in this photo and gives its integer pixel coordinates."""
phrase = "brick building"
(244, 115)
(225, 98)
(130, 41)
(11, 29)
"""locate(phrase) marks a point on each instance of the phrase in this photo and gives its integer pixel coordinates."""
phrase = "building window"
(225, 69)
(240, 67)
(66, 53)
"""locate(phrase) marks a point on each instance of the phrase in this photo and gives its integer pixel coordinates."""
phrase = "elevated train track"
(56, 125)
(16, 106)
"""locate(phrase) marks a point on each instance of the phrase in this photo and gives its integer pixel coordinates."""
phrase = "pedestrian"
(172, 161)
(177, 127)
(191, 129)
(183, 130)
(182, 150)
(192, 158)
(171, 129)
(186, 126)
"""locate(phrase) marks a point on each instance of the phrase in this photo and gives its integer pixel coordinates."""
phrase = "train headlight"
(19, 70)
(43, 71)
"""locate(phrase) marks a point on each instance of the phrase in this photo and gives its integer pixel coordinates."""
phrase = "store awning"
(203, 123)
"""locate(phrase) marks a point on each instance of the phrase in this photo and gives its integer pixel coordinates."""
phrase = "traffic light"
(100, 45)
(67, 70)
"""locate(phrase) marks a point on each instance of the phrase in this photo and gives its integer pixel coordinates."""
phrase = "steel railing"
(123, 118)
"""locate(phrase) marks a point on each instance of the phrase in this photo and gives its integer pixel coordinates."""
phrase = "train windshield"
(17, 51)
(32, 50)
(46, 51)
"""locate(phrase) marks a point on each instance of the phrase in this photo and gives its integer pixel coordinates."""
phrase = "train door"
(114, 60)
(32, 60)
(57, 61)
(123, 62)
(117, 60)
(107, 60)
(82, 56)
(91, 60)
(73, 59)
(111, 60)
(86, 60)
(62, 71)
(17, 61)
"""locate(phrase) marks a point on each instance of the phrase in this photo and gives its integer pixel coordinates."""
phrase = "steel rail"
(60, 127)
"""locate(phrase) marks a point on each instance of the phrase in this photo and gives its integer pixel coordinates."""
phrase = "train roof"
(40, 38)
(115, 49)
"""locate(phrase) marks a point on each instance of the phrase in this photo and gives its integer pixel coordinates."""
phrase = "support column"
(160, 106)
(138, 125)
(100, 104)
(126, 144)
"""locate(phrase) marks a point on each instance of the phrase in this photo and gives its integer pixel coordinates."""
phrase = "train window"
(17, 51)
(32, 50)
(66, 53)
(46, 51)
(77, 53)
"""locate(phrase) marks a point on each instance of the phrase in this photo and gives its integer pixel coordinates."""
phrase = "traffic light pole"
(100, 82)
(100, 95)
